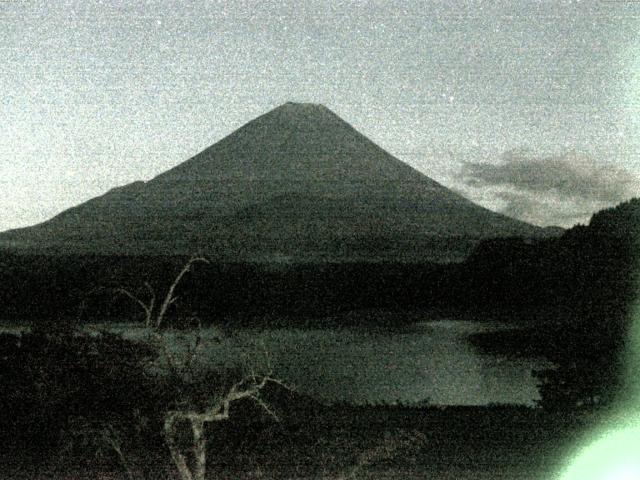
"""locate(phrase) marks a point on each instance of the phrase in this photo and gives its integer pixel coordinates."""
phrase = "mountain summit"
(297, 183)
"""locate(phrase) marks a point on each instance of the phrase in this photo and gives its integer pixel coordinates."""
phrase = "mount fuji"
(295, 184)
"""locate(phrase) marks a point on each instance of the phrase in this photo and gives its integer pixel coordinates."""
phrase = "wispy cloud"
(561, 190)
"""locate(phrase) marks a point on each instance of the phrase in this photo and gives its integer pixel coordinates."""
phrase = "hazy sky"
(531, 108)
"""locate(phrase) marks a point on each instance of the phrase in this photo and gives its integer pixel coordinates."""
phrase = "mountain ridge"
(311, 174)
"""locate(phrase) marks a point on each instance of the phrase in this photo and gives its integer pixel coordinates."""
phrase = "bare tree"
(218, 411)
(182, 368)
(154, 319)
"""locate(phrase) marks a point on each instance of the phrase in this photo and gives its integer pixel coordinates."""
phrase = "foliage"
(48, 378)
(588, 350)
(576, 292)
(578, 385)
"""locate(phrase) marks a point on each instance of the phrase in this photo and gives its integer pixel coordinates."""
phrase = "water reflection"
(426, 362)
(432, 361)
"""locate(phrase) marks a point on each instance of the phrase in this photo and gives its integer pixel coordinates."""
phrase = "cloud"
(544, 210)
(554, 190)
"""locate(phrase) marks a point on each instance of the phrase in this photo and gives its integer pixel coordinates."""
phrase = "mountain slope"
(297, 182)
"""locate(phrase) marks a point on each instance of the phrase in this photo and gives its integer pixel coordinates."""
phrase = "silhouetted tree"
(202, 395)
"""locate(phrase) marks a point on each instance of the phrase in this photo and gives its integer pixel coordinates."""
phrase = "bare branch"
(248, 387)
(169, 298)
(177, 456)
(147, 308)
(279, 382)
(152, 303)
(236, 394)
(217, 412)
(199, 449)
(260, 402)
(192, 348)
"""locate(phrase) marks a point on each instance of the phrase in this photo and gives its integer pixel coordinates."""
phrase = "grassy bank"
(356, 442)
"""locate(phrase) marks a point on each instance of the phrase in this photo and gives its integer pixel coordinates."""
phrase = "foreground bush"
(47, 379)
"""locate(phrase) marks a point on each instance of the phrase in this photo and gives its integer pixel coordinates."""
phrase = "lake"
(430, 361)
(426, 362)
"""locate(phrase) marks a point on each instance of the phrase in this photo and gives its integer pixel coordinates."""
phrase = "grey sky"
(98, 94)
(556, 189)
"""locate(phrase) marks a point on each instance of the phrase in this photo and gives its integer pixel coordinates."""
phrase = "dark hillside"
(271, 292)
(577, 292)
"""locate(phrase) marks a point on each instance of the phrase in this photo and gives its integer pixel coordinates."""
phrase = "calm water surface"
(429, 361)
(432, 361)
